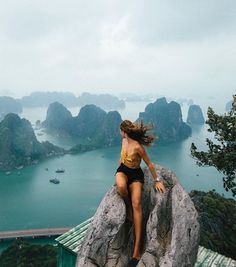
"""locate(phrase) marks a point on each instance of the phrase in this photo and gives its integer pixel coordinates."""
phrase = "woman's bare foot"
(138, 257)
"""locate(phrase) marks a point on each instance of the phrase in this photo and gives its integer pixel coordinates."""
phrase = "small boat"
(54, 180)
(59, 170)
(7, 173)
(19, 167)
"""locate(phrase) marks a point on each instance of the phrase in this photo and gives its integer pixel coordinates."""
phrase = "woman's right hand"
(160, 187)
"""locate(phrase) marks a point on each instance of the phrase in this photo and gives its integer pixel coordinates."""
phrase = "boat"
(54, 180)
(59, 170)
(20, 167)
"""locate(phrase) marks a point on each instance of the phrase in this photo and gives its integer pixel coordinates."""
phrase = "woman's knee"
(136, 204)
(121, 183)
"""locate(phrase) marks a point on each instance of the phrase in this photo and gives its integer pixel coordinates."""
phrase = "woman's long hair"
(137, 131)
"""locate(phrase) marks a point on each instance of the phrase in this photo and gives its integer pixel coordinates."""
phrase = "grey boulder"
(170, 228)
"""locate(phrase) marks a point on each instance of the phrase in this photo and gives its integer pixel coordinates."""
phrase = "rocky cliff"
(59, 119)
(93, 125)
(170, 234)
(18, 144)
(195, 115)
(167, 120)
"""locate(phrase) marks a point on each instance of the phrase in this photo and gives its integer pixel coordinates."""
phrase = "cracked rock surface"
(170, 232)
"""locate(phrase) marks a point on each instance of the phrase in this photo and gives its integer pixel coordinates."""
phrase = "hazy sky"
(177, 47)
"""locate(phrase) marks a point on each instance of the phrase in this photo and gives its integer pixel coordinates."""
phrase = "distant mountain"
(93, 125)
(9, 105)
(195, 115)
(43, 99)
(129, 97)
(104, 101)
(167, 120)
(19, 146)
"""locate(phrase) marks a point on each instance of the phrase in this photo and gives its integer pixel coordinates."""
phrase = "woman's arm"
(151, 166)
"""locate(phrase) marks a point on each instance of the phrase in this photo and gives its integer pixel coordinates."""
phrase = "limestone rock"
(93, 126)
(170, 232)
(167, 121)
(195, 115)
(19, 145)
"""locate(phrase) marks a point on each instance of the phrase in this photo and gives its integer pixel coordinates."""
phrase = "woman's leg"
(136, 197)
(121, 182)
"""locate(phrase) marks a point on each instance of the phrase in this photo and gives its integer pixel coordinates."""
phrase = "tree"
(222, 153)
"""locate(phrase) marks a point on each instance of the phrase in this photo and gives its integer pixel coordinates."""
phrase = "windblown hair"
(137, 131)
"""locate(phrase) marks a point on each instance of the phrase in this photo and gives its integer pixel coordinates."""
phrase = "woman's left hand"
(160, 187)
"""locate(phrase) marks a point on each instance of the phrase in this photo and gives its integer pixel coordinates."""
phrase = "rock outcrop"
(94, 126)
(167, 120)
(195, 115)
(170, 232)
(58, 120)
(19, 145)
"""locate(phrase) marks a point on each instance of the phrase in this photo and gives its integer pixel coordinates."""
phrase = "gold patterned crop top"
(129, 160)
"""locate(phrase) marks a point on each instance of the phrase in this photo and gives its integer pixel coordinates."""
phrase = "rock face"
(93, 125)
(18, 144)
(167, 120)
(195, 115)
(59, 119)
(170, 232)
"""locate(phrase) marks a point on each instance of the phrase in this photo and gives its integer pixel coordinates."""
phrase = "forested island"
(19, 145)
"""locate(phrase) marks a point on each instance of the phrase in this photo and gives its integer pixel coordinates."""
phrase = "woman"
(130, 177)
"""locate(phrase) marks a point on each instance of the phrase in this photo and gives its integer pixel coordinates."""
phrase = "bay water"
(28, 200)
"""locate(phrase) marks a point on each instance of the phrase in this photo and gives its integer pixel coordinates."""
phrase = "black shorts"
(133, 175)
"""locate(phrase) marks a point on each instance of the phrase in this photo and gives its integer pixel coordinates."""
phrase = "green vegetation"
(19, 145)
(222, 154)
(217, 216)
(23, 254)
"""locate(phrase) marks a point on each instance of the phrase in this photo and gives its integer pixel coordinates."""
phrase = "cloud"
(170, 47)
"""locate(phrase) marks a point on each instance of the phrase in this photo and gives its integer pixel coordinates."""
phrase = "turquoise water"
(30, 201)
